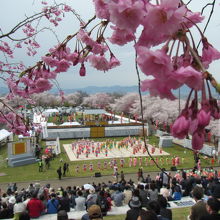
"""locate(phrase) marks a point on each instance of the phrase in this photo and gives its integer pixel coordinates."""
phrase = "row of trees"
(128, 104)
(162, 111)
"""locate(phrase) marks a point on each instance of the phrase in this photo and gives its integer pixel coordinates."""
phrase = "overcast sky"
(13, 11)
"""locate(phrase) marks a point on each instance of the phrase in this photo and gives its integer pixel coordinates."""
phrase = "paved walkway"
(79, 181)
(76, 181)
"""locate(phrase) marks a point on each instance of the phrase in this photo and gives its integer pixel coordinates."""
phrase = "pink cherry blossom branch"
(142, 113)
(206, 74)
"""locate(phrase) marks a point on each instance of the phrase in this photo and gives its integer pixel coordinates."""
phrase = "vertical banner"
(122, 114)
(218, 150)
(58, 150)
(44, 129)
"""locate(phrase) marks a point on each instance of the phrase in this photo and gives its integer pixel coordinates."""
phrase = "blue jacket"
(52, 206)
(177, 196)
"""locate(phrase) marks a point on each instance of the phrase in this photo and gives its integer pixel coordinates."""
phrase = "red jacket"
(35, 207)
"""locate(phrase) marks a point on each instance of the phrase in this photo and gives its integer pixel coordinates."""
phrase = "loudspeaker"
(173, 168)
(98, 174)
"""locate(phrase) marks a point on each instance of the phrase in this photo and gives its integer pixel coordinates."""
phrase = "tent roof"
(51, 110)
(71, 123)
(4, 134)
(94, 111)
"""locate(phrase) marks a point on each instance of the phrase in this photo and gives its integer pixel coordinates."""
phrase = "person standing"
(64, 169)
(40, 165)
(115, 168)
(59, 172)
(140, 174)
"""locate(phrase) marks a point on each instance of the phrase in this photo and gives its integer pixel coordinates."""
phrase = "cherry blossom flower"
(74, 58)
(192, 18)
(156, 63)
(101, 9)
(82, 71)
(99, 62)
(85, 38)
(198, 139)
(114, 62)
(203, 118)
(121, 36)
(209, 53)
(99, 48)
(126, 14)
(168, 16)
(181, 125)
(42, 85)
(50, 61)
(62, 66)
(67, 8)
(163, 91)
(190, 77)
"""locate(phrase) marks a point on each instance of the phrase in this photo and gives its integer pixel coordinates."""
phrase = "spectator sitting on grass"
(135, 205)
(118, 197)
(213, 207)
(62, 215)
(80, 202)
(167, 213)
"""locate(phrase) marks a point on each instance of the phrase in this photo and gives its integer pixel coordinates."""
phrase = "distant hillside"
(106, 89)
(184, 91)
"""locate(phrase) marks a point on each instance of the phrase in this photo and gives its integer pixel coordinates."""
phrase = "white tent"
(50, 112)
(71, 123)
(4, 134)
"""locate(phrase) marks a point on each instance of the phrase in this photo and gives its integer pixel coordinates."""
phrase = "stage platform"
(114, 152)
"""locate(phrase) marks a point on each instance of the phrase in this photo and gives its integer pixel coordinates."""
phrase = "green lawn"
(30, 172)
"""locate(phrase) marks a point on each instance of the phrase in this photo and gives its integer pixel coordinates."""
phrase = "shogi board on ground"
(114, 152)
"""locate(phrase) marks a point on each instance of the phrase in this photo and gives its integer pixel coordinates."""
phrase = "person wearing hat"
(91, 198)
(135, 205)
(94, 212)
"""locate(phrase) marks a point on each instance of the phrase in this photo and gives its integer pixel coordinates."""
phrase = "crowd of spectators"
(149, 199)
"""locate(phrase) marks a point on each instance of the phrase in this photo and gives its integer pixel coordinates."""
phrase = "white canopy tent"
(5, 134)
(50, 112)
(71, 123)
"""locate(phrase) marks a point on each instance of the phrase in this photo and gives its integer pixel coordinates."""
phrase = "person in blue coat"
(52, 204)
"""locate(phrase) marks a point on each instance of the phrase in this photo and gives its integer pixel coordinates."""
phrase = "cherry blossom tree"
(75, 99)
(125, 103)
(169, 56)
(45, 100)
(98, 100)
(156, 109)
